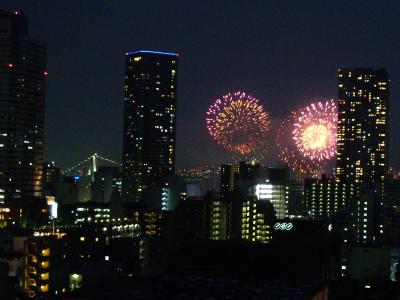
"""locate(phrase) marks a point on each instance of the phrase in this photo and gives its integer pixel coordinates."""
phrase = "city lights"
(275, 196)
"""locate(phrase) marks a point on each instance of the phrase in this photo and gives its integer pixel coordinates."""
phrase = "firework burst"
(315, 130)
(239, 123)
(307, 138)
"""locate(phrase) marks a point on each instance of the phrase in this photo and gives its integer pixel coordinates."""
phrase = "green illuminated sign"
(283, 226)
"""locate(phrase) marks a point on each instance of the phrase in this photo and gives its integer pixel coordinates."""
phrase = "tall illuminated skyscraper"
(363, 125)
(22, 105)
(362, 148)
(149, 122)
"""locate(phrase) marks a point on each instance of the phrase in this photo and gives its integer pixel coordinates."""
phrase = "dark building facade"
(392, 212)
(106, 180)
(236, 176)
(22, 105)
(44, 266)
(296, 206)
(149, 122)
(363, 148)
(50, 179)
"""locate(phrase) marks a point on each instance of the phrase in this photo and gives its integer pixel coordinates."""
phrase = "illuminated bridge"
(89, 165)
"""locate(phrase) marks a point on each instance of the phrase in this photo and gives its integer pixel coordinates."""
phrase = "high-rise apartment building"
(235, 184)
(257, 219)
(44, 266)
(218, 219)
(149, 122)
(362, 148)
(323, 197)
(363, 125)
(22, 105)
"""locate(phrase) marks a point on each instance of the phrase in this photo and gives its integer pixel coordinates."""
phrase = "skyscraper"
(149, 122)
(362, 148)
(22, 104)
(363, 125)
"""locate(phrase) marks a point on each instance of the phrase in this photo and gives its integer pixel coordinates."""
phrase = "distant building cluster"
(259, 230)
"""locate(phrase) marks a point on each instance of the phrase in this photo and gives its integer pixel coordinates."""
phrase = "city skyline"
(250, 81)
(212, 63)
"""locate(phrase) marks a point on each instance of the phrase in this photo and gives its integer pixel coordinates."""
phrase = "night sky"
(285, 53)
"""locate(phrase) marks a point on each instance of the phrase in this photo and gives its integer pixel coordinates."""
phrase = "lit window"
(44, 288)
(45, 276)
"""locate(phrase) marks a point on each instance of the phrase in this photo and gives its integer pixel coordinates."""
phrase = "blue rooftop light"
(151, 52)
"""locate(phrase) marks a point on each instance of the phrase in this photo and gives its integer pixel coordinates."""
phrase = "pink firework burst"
(306, 140)
(315, 130)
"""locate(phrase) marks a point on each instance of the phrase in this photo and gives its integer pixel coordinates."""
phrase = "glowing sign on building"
(283, 226)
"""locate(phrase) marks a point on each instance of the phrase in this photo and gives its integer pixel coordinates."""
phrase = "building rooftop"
(151, 52)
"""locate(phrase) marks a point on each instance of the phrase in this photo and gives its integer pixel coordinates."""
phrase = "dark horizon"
(284, 54)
